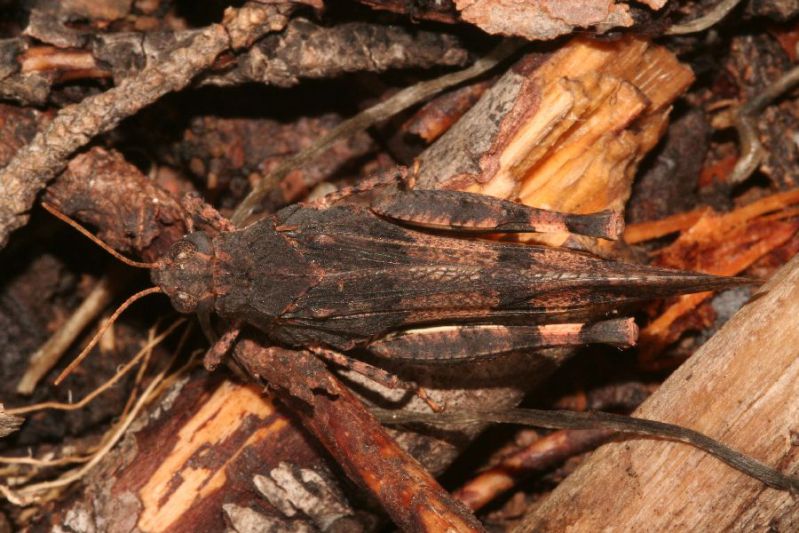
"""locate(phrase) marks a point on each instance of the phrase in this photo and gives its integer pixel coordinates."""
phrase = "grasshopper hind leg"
(452, 344)
(479, 213)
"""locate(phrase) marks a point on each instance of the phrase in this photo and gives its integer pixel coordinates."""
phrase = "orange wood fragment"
(724, 245)
(717, 172)
(646, 231)
(437, 116)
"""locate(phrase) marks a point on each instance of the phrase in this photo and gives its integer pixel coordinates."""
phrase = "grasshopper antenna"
(85, 352)
(61, 216)
(139, 295)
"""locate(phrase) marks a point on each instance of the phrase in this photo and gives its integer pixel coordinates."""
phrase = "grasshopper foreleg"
(221, 346)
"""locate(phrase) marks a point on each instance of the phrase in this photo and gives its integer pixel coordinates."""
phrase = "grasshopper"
(392, 273)
(395, 276)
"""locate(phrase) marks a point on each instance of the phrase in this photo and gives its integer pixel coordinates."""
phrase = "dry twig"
(145, 352)
(27, 494)
(408, 492)
(46, 357)
(752, 151)
(544, 453)
(303, 51)
(705, 21)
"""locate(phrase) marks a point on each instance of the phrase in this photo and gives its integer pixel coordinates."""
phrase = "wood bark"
(360, 445)
(30, 69)
(739, 388)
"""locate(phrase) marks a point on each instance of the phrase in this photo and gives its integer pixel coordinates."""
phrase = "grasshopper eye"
(200, 241)
(183, 250)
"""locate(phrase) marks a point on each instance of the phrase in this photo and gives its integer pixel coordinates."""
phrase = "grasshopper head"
(186, 273)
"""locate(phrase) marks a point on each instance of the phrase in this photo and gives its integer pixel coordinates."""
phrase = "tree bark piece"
(568, 136)
(307, 50)
(739, 388)
(197, 452)
(576, 127)
(132, 214)
(8, 423)
(29, 72)
(361, 446)
(542, 19)
(530, 19)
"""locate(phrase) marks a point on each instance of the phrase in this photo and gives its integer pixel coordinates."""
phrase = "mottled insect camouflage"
(396, 275)
(391, 272)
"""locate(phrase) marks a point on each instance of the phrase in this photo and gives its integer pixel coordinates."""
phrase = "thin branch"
(752, 151)
(46, 357)
(27, 494)
(304, 50)
(598, 420)
(44, 463)
(343, 424)
(705, 21)
(544, 453)
(143, 353)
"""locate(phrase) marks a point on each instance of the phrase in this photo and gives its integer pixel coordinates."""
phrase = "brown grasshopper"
(394, 275)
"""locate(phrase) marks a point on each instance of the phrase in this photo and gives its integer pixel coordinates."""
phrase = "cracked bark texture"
(361, 446)
(307, 50)
(529, 19)
(28, 70)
